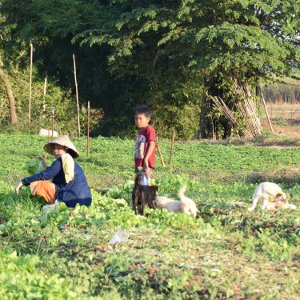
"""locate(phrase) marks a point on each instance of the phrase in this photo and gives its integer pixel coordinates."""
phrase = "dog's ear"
(279, 197)
(138, 179)
(287, 197)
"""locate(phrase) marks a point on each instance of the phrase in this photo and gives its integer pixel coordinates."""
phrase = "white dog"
(185, 205)
(272, 195)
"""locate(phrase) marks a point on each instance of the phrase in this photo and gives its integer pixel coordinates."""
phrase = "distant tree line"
(282, 93)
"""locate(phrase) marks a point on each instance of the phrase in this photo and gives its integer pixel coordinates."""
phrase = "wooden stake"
(77, 97)
(172, 147)
(30, 83)
(266, 110)
(160, 155)
(88, 132)
(52, 110)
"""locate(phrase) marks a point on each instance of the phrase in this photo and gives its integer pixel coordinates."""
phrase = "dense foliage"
(164, 53)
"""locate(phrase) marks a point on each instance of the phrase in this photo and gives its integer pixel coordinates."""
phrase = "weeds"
(225, 253)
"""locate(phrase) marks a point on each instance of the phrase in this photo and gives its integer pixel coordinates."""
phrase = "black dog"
(142, 195)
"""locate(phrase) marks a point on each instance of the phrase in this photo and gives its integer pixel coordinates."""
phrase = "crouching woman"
(64, 181)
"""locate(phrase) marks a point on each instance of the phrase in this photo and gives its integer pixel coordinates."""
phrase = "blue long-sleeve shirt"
(73, 192)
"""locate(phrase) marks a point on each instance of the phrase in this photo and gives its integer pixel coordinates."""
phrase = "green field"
(226, 253)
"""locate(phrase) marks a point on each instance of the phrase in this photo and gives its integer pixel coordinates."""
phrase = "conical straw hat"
(63, 141)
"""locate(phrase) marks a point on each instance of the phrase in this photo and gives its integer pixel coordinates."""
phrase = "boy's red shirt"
(141, 146)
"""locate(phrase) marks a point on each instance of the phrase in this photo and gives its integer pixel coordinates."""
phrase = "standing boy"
(145, 144)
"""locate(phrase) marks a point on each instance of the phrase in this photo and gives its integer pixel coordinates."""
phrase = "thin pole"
(172, 147)
(88, 132)
(30, 83)
(52, 110)
(45, 86)
(160, 155)
(77, 97)
(44, 101)
(266, 110)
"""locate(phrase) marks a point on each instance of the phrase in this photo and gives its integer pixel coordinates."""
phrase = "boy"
(145, 144)
(63, 181)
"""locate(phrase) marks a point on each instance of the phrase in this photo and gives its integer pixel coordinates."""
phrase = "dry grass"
(285, 118)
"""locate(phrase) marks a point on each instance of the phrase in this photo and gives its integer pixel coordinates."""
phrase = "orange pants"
(45, 189)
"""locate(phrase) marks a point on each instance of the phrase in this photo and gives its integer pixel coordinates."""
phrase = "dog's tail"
(181, 193)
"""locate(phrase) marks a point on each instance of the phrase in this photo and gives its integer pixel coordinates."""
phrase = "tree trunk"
(11, 98)
(206, 124)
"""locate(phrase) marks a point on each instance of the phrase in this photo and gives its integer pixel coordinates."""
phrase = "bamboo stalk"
(77, 97)
(246, 108)
(52, 110)
(172, 147)
(45, 86)
(30, 82)
(44, 95)
(160, 155)
(88, 132)
(266, 110)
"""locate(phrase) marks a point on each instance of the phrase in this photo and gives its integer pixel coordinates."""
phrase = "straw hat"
(63, 141)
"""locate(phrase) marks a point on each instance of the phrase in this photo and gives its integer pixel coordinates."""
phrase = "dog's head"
(149, 194)
(154, 190)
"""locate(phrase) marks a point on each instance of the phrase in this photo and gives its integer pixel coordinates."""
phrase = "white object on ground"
(49, 207)
(120, 236)
(48, 132)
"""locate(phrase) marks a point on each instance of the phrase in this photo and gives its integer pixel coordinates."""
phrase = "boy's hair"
(143, 109)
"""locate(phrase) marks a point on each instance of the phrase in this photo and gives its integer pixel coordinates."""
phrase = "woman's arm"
(47, 174)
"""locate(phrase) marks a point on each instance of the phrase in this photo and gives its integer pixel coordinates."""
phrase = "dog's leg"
(135, 199)
(141, 209)
(254, 203)
(265, 203)
(291, 206)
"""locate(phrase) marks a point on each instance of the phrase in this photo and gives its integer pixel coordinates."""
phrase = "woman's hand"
(43, 161)
(18, 187)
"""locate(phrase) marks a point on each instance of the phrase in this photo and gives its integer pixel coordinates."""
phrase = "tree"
(230, 45)
(5, 79)
(10, 95)
(165, 53)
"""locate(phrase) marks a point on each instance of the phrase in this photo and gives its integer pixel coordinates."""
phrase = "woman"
(64, 181)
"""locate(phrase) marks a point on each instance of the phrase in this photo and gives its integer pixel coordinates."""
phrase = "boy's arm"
(150, 150)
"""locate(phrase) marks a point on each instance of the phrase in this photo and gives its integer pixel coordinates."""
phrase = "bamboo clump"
(246, 108)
